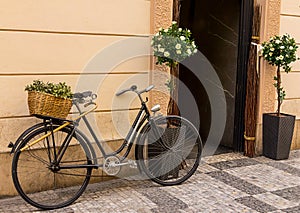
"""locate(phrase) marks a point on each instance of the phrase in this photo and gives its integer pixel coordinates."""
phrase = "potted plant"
(278, 128)
(49, 99)
(171, 46)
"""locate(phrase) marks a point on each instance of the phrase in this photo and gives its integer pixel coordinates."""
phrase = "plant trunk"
(278, 90)
(172, 106)
(174, 70)
(176, 11)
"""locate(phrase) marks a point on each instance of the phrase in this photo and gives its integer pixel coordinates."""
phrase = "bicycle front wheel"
(169, 151)
(43, 182)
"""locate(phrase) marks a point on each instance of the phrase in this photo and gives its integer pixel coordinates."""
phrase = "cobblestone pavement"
(223, 183)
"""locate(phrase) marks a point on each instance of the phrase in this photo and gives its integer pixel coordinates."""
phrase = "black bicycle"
(53, 160)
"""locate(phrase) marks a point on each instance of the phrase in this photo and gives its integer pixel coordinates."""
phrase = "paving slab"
(223, 183)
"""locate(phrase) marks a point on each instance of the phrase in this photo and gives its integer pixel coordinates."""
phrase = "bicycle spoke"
(178, 158)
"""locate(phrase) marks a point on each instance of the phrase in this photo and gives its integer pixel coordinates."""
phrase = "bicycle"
(53, 160)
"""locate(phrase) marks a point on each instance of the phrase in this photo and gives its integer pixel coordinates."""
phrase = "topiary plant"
(280, 51)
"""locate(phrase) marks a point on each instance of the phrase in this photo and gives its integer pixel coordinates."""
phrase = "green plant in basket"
(37, 85)
(60, 90)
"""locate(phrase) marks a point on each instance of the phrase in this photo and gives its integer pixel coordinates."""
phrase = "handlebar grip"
(149, 88)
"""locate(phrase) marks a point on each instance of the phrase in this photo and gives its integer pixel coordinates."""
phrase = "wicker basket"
(48, 105)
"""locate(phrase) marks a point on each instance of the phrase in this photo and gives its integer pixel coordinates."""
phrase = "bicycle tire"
(172, 157)
(45, 186)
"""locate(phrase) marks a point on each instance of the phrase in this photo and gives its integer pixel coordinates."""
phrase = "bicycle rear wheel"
(169, 152)
(40, 180)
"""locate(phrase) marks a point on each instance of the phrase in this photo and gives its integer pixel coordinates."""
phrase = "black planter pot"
(277, 135)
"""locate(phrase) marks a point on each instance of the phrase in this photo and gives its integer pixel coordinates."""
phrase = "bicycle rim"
(40, 182)
(172, 156)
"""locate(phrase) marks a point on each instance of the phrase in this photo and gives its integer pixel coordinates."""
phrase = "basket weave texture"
(48, 105)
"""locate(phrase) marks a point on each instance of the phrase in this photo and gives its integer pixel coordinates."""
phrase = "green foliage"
(169, 85)
(280, 51)
(173, 45)
(61, 89)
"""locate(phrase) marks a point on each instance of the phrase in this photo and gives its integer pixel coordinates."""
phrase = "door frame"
(244, 43)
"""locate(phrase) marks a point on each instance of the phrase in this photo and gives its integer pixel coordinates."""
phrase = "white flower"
(166, 30)
(195, 50)
(174, 22)
(166, 54)
(182, 38)
(291, 48)
(271, 45)
(178, 52)
(159, 38)
(279, 58)
(277, 41)
(189, 51)
(193, 44)
(189, 31)
(272, 49)
(282, 47)
(178, 46)
(160, 29)
(157, 34)
(152, 42)
(180, 29)
(270, 54)
(161, 50)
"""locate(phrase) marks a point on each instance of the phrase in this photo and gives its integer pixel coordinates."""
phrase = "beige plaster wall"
(54, 41)
(160, 17)
(270, 26)
(290, 23)
(280, 17)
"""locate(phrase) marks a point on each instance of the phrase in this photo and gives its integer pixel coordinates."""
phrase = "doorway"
(216, 26)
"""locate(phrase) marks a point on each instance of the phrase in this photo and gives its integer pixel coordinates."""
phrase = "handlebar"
(82, 94)
(133, 88)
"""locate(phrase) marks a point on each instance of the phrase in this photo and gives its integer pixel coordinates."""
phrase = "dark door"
(215, 26)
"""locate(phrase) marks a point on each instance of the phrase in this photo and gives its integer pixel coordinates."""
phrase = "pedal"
(132, 164)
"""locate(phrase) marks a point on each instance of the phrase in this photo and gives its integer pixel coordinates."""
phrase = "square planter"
(277, 135)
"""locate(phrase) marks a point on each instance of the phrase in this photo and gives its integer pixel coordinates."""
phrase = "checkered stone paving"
(223, 183)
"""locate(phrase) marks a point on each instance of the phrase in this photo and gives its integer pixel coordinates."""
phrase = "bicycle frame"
(128, 142)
